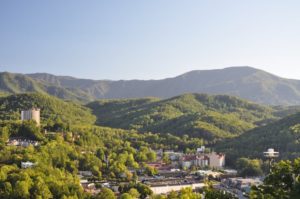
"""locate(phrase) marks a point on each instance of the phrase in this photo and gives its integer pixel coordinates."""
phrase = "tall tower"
(271, 154)
(31, 114)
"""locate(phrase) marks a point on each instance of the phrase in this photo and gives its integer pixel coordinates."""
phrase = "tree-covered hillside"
(18, 83)
(197, 115)
(52, 109)
(282, 135)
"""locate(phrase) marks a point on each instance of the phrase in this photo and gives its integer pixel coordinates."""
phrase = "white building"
(201, 149)
(22, 142)
(194, 160)
(31, 114)
(213, 160)
(216, 160)
(214, 174)
(164, 189)
(25, 165)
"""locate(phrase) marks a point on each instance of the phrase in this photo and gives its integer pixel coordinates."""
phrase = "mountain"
(282, 135)
(244, 82)
(11, 83)
(196, 115)
(52, 108)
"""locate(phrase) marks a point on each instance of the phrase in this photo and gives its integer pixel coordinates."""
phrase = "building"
(201, 149)
(22, 142)
(213, 160)
(207, 173)
(164, 189)
(188, 161)
(242, 184)
(85, 173)
(216, 160)
(174, 155)
(25, 165)
(31, 114)
(230, 172)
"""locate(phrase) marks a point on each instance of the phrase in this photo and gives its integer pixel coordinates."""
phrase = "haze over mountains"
(245, 82)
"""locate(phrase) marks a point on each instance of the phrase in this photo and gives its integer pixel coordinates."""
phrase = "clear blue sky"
(148, 39)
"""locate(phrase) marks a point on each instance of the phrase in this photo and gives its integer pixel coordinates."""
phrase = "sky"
(154, 39)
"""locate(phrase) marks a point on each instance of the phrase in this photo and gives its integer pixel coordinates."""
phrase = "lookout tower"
(271, 154)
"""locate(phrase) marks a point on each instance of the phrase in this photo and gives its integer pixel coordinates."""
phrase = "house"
(25, 165)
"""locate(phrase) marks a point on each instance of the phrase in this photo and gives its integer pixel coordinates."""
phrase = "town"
(149, 99)
(170, 171)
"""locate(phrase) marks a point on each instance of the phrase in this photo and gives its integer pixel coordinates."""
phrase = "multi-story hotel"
(31, 114)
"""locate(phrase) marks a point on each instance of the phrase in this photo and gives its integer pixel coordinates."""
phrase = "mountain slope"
(18, 83)
(197, 115)
(282, 135)
(245, 82)
(51, 108)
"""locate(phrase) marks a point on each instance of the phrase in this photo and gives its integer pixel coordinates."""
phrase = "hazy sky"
(148, 39)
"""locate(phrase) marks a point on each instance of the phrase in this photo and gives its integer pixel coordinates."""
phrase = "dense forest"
(283, 135)
(196, 115)
(52, 109)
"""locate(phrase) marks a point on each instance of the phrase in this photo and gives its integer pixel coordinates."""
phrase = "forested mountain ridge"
(245, 82)
(196, 115)
(208, 117)
(11, 83)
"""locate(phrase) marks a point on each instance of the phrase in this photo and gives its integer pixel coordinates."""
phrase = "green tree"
(151, 156)
(106, 194)
(282, 182)
(134, 193)
(4, 134)
(151, 171)
(188, 193)
(21, 190)
(248, 167)
(211, 193)
(126, 196)
(40, 189)
(30, 130)
(144, 190)
(166, 158)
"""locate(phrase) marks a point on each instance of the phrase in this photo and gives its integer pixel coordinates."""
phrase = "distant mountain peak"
(241, 81)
